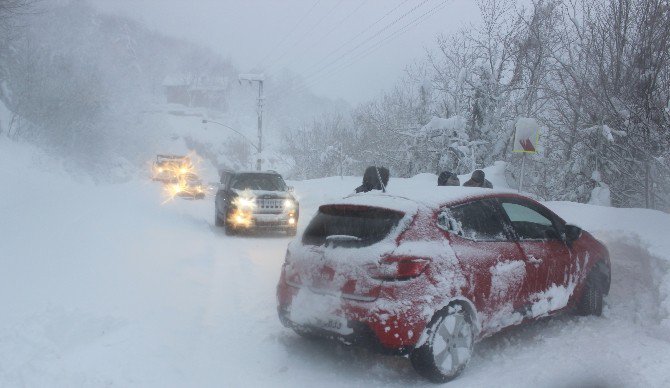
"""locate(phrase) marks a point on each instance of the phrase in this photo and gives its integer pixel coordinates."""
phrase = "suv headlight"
(289, 204)
(244, 203)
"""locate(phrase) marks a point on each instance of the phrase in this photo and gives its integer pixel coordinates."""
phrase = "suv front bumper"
(251, 220)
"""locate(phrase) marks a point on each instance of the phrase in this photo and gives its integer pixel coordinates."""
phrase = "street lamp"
(257, 78)
(258, 152)
(234, 130)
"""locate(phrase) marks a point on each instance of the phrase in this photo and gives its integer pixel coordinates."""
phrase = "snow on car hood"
(259, 193)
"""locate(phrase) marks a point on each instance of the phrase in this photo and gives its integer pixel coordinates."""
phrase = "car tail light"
(398, 268)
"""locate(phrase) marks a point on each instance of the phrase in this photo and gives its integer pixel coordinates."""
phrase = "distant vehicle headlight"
(289, 204)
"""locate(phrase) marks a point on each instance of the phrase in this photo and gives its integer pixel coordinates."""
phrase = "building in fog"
(196, 91)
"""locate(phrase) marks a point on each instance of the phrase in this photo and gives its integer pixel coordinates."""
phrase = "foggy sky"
(300, 34)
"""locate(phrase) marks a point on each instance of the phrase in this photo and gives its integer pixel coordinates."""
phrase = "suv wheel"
(448, 348)
(217, 219)
(230, 231)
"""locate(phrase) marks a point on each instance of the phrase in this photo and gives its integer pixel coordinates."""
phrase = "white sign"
(526, 136)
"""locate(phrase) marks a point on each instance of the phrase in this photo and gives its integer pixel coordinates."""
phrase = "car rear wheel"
(448, 347)
(591, 302)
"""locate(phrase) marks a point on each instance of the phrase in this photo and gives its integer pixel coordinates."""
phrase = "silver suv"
(253, 200)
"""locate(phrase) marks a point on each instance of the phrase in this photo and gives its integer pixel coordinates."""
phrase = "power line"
(338, 24)
(305, 35)
(386, 27)
(368, 28)
(380, 43)
(295, 26)
(307, 80)
(377, 45)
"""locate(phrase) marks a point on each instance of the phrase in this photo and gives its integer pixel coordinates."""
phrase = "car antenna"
(379, 176)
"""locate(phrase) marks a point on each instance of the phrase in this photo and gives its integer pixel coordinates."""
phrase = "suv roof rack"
(247, 171)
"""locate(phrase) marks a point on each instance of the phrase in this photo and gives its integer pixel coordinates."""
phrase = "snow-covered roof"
(195, 83)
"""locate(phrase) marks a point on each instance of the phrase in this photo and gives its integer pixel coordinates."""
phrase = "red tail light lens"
(398, 268)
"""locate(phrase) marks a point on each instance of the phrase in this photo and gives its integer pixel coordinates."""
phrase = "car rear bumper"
(362, 335)
(364, 323)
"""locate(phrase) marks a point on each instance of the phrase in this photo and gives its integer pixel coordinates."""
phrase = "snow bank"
(648, 229)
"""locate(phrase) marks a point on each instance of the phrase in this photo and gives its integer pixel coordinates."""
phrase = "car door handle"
(533, 260)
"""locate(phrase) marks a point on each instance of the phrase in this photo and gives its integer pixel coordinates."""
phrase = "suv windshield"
(268, 182)
(353, 226)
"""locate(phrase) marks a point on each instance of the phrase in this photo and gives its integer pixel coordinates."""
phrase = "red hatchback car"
(429, 275)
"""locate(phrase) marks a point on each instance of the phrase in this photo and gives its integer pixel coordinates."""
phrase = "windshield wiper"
(342, 238)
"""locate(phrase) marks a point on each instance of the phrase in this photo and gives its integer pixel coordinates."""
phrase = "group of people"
(478, 179)
(377, 178)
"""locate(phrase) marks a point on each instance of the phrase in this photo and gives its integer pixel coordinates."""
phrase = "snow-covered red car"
(429, 274)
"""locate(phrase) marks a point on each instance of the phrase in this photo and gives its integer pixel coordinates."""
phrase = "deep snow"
(104, 286)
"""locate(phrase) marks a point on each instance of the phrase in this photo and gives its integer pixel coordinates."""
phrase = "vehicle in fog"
(429, 274)
(168, 168)
(189, 186)
(255, 200)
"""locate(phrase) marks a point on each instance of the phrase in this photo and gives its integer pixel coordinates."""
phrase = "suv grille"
(270, 204)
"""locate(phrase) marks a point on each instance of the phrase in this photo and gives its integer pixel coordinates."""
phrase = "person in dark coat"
(447, 178)
(371, 179)
(478, 179)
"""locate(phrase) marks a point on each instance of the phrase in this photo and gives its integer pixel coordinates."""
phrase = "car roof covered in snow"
(410, 199)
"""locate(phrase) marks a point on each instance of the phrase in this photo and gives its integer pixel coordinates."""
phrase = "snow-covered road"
(104, 286)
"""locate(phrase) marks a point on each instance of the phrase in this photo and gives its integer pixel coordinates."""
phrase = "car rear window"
(351, 226)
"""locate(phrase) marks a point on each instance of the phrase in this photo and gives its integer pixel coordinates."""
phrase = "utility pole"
(257, 78)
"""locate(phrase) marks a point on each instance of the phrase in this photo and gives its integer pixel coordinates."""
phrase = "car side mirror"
(572, 233)
(291, 189)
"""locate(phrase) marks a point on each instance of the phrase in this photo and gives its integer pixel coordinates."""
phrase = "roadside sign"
(526, 135)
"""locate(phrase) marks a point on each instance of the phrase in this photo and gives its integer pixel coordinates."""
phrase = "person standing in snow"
(372, 177)
(478, 179)
(447, 178)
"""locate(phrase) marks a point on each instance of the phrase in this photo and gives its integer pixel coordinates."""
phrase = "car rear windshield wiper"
(342, 238)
